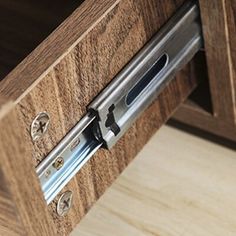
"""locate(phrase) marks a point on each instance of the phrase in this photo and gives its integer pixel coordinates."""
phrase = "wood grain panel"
(218, 21)
(195, 116)
(10, 224)
(17, 167)
(219, 36)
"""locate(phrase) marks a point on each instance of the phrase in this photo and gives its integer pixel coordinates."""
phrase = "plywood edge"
(49, 53)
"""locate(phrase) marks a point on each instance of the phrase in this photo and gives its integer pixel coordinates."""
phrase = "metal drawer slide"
(124, 99)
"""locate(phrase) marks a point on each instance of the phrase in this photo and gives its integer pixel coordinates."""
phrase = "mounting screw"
(58, 163)
(39, 125)
(64, 203)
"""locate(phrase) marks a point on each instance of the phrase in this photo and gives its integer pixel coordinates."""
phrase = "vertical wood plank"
(221, 71)
(230, 7)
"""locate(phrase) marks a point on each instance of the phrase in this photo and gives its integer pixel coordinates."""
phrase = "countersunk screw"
(64, 203)
(58, 163)
(39, 125)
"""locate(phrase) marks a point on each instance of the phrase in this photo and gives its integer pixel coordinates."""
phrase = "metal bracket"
(141, 81)
(124, 99)
(67, 158)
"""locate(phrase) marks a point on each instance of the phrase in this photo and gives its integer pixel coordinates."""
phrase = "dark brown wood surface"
(219, 51)
(219, 31)
(197, 117)
(230, 8)
(61, 77)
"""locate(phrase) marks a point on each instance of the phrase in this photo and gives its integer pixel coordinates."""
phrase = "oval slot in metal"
(156, 68)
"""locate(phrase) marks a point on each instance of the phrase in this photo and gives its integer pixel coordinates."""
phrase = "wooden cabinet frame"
(219, 30)
(68, 69)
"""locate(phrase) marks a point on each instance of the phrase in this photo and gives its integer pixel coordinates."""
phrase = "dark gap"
(147, 78)
(25, 24)
(201, 96)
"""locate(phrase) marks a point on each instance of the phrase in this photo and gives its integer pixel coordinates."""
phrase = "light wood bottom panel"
(179, 185)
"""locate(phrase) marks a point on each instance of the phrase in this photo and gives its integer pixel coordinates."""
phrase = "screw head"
(64, 203)
(58, 163)
(39, 125)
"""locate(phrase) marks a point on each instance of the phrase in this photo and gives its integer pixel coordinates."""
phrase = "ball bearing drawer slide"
(124, 99)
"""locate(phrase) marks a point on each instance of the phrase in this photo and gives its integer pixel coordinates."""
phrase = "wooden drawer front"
(64, 93)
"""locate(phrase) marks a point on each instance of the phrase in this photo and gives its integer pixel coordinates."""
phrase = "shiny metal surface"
(39, 125)
(75, 150)
(64, 203)
(179, 40)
